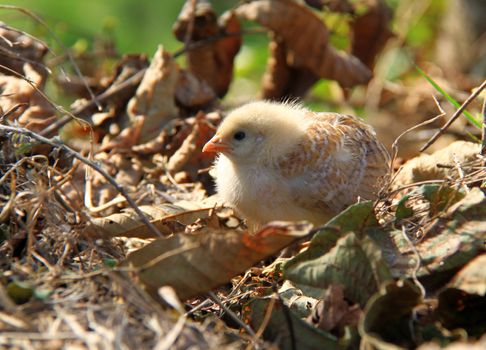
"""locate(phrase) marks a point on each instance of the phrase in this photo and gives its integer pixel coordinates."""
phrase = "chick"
(280, 161)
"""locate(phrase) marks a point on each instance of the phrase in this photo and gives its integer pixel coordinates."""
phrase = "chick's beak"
(216, 144)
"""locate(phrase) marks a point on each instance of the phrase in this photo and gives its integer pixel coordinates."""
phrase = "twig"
(92, 165)
(455, 116)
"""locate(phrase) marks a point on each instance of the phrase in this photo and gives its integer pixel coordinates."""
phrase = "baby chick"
(283, 162)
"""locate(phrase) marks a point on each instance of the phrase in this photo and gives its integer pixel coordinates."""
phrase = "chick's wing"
(338, 160)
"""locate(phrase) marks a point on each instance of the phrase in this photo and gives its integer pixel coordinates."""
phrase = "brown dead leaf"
(371, 31)
(280, 79)
(154, 99)
(16, 90)
(425, 167)
(189, 156)
(334, 312)
(307, 40)
(168, 218)
(213, 61)
(127, 138)
(193, 92)
(332, 5)
(196, 263)
(18, 48)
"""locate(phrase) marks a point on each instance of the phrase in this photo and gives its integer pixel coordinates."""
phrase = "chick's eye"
(239, 135)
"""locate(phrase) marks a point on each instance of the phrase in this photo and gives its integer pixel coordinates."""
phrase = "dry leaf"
(213, 61)
(332, 5)
(196, 263)
(18, 48)
(193, 92)
(168, 218)
(371, 31)
(334, 312)
(189, 156)
(127, 138)
(307, 40)
(425, 167)
(16, 91)
(280, 79)
(154, 99)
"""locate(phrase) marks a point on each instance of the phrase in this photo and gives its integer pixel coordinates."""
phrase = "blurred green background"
(139, 26)
(136, 26)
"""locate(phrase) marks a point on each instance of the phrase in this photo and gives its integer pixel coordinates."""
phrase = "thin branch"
(455, 116)
(92, 165)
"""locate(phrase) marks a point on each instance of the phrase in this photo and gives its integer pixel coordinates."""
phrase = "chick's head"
(259, 132)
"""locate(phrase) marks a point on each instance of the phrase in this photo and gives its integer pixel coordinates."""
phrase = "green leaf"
(357, 218)
(403, 211)
(440, 197)
(111, 263)
(20, 292)
(351, 262)
(452, 240)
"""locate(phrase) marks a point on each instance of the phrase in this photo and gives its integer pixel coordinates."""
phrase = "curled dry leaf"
(127, 138)
(18, 48)
(334, 312)
(371, 31)
(280, 79)
(154, 99)
(17, 91)
(213, 61)
(168, 218)
(427, 167)
(188, 156)
(307, 40)
(472, 277)
(208, 258)
(193, 92)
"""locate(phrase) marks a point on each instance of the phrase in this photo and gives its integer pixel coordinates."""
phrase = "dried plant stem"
(92, 165)
(455, 116)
